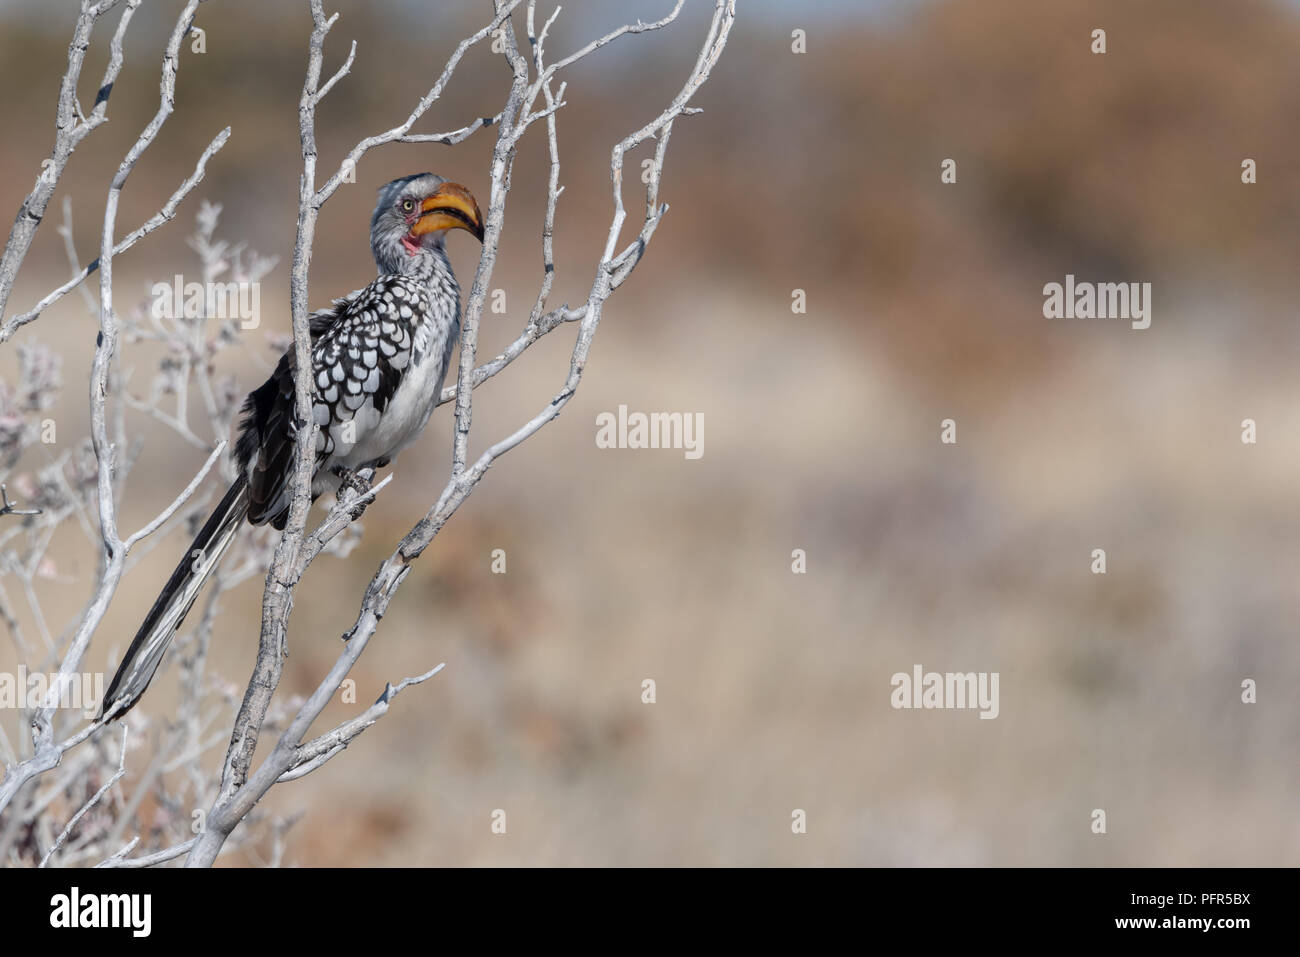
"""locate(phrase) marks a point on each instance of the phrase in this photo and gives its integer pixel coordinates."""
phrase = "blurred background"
(817, 171)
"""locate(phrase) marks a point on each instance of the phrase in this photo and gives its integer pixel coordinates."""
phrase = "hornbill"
(378, 356)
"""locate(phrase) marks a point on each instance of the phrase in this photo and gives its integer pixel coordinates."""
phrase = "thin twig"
(121, 770)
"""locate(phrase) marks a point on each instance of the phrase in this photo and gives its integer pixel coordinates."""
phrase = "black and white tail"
(177, 597)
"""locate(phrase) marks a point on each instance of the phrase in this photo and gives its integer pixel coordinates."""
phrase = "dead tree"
(86, 483)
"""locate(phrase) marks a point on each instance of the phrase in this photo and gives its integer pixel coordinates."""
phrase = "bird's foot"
(355, 483)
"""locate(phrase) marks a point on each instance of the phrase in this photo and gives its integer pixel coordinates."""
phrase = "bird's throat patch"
(412, 244)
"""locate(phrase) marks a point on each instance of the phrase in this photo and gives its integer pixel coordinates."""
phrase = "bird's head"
(411, 219)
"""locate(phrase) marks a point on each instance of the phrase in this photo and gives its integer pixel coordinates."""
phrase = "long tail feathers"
(177, 597)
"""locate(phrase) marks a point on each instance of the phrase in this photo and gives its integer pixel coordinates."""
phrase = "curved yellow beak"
(451, 207)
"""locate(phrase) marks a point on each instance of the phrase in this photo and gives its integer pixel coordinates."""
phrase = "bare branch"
(503, 156)
(277, 596)
(121, 770)
(164, 215)
(74, 261)
(8, 508)
(180, 499)
(310, 756)
(343, 71)
(71, 127)
(452, 138)
(399, 133)
(119, 859)
(47, 752)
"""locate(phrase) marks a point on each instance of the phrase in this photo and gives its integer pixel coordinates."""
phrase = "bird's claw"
(357, 484)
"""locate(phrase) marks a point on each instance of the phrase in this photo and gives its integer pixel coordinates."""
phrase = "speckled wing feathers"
(361, 348)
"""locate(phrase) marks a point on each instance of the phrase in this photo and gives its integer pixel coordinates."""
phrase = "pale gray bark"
(532, 96)
(47, 751)
(71, 126)
(241, 790)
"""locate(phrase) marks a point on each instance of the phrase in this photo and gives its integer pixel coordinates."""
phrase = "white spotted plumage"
(380, 364)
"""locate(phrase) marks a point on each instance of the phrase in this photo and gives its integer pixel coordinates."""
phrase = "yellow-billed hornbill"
(379, 357)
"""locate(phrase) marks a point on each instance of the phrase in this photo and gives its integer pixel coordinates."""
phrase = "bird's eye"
(408, 205)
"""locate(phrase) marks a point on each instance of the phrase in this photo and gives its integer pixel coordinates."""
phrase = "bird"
(379, 356)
